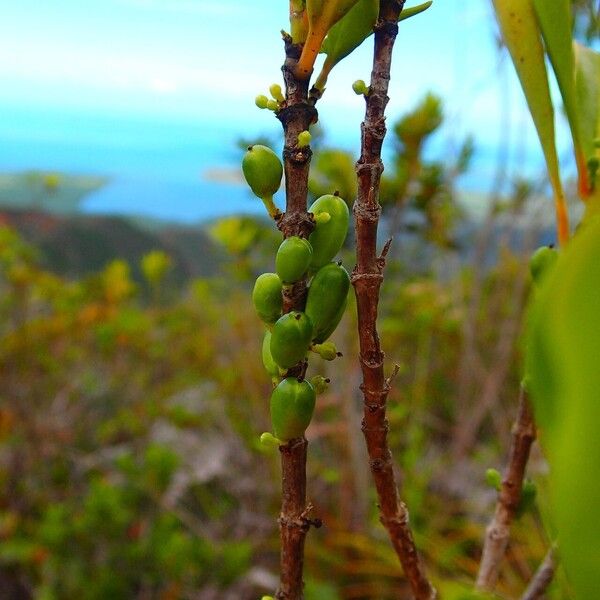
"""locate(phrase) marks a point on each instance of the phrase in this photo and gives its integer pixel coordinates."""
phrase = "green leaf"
(347, 35)
(587, 85)
(555, 24)
(351, 31)
(322, 16)
(521, 34)
(412, 11)
(563, 350)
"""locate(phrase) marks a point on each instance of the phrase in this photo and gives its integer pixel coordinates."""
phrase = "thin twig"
(296, 115)
(498, 531)
(543, 576)
(366, 279)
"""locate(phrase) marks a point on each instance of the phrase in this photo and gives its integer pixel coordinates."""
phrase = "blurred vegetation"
(131, 406)
(586, 20)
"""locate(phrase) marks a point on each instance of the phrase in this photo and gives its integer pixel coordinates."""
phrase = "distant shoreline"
(50, 191)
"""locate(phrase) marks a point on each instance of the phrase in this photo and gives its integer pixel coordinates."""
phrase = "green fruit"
(293, 258)
(267, 297)
(292, 406)
(327, 238)
(326, 301)
(290, 339)
(263, 170)
(268, 362)
(541, 262)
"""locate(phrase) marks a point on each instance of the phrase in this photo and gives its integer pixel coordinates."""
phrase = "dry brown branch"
(296, 116)
(542, 578)
(498, 531)
(467, 430)
(367, 278)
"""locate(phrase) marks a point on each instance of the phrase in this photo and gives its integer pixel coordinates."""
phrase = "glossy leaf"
(347, 35)
(521, 34)
(322, 16)
(587, 82)
(554, 19)
(564, 346)
(413, 11)
(351, 31)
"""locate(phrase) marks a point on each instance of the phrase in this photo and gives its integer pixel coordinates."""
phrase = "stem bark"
(296, 115)
(498, 531)
(367, 278)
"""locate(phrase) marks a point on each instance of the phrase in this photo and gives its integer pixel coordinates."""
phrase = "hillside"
(76, 245)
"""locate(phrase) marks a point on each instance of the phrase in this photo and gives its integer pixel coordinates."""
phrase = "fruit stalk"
(498, 531)
(296, 115)
(366, 279)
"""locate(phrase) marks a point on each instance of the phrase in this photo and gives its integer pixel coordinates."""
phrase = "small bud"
(273, 105)
(360, 88)
(528, 496)
(275, 90)
(320, 383)
(268, 440)
(493, 479)
(261, 101)
(304, 138)
(326, 350)
(322, 218)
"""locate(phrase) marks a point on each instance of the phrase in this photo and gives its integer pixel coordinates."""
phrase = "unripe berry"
(326, 301)
(292, 406)
(292, 259)
(290, 339)
(263, 170)
(266, 297)
(328, 237)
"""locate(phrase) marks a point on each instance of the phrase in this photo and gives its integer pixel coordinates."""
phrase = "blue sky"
(186, 57)
(204, 60)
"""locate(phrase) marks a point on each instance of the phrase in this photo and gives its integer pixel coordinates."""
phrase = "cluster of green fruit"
(291, 336)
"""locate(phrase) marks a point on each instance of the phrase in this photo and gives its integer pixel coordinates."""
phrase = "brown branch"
(498, 531)
(366, 279)
(296, 115)
(542, 578)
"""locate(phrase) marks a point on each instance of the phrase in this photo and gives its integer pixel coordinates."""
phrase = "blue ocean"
(185, 171)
